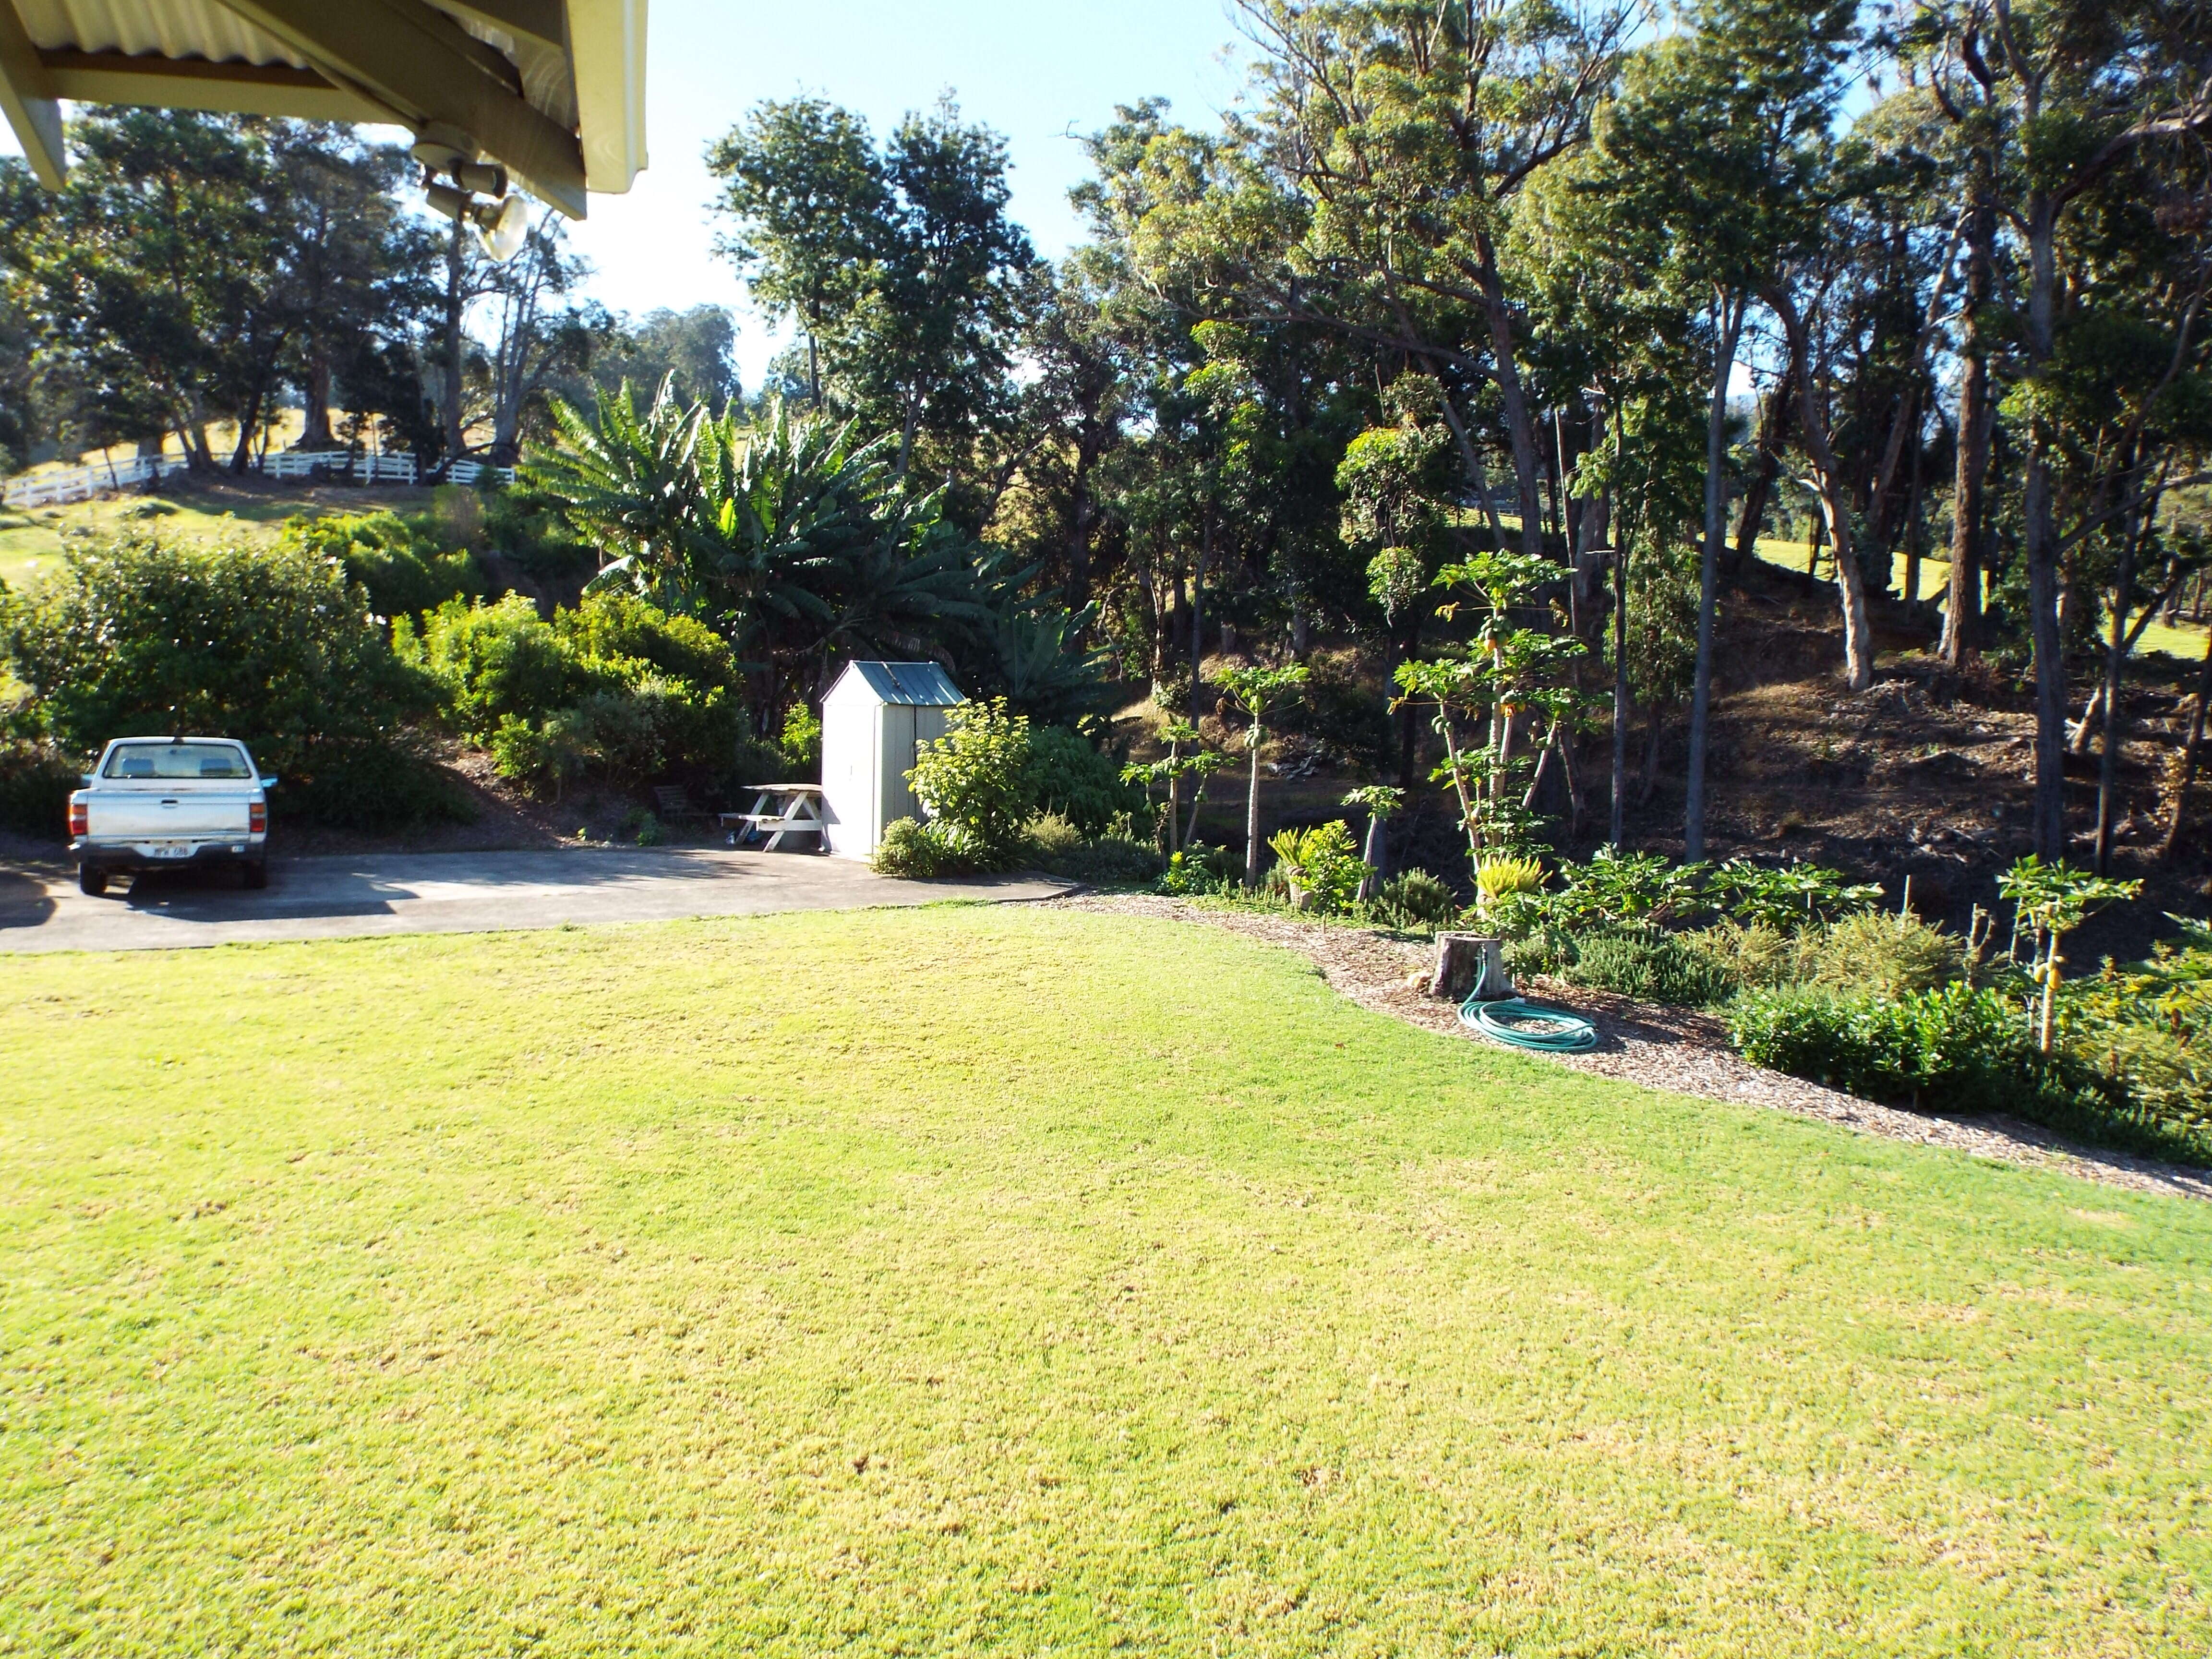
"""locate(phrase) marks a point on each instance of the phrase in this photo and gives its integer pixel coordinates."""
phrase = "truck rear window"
(176, 759)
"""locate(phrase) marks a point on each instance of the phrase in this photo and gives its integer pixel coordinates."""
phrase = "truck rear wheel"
(257, 875)
(91, 880)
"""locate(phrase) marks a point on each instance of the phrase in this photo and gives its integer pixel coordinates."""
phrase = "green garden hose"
(1525, 1025)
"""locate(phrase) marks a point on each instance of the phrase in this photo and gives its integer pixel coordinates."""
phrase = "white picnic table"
(780, 810)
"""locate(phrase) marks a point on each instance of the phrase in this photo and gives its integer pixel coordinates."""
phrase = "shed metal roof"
(554, 89)
(912, 684)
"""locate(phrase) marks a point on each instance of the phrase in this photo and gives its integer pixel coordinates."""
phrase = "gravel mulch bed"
(1676, 1050)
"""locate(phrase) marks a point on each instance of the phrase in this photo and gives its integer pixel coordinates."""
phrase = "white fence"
(82, 484)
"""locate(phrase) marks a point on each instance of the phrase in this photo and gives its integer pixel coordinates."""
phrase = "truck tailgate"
(170, 811)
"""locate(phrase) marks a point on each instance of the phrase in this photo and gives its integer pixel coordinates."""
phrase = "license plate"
(171, 849)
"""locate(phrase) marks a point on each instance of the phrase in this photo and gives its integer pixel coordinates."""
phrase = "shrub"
(1877, 951)
(1415, 899)
(650, 832)
(801, 741)
(1787, 896)
(1057, 846)
(35, 783)
(974, 783)
(497, 662)
(541, 757)
(1757, 953)
(271, 646)
(636, 641)
(912, 849)
(399, 563)
(1498, 877)
(1066, 775)
(1321, 866)
(1650, 965)
(1955, 1047)
(1199, 869)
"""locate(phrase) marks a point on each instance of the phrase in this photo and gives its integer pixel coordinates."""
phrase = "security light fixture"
(503, 225)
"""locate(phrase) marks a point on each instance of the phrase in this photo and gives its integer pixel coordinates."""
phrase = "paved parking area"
(41, 909)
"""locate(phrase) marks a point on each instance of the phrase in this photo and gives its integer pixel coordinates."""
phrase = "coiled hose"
(1525, 1025)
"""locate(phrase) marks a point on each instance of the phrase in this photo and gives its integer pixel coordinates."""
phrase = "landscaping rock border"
(1675, 1050)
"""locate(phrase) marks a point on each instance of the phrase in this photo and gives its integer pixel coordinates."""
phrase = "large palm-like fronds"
(630, 484)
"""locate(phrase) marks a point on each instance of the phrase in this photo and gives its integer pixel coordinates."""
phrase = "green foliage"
(1885, 954)
(497, 662)
(1322, 866)
(399, 563)
(35, 783)
(1113, 859)
(1959, 1048)
(914, 850)
(637, 641)
(650, 832)
(801, 741)
(974, 782)
(1415, 899)
(1199, 871)
(790, 536)
(1786, 896)
(1067, 775)
(272, 648)
(615, 681)
(1954, 1047)
(1648, 963)
(542, 756)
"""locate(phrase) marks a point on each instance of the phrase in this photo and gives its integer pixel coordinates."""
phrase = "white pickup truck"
(158, 803)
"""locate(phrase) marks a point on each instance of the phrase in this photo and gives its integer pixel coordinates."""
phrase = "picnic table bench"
(780, 810)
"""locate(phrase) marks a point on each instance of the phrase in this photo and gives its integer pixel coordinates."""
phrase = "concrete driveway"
(453, 893)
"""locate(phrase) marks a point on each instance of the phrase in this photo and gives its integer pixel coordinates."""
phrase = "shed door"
(897, 760)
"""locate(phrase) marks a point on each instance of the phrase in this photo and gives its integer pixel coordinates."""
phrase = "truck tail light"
(80, 817)
(257, 817)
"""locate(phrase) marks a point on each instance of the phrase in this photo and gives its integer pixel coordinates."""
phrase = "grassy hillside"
(32, 542)
(977, 1280)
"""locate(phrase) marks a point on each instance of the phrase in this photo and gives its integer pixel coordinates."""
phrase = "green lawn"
(2185, 641)
(1002, 1280)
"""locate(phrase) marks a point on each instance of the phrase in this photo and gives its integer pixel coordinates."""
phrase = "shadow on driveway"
(456, 892)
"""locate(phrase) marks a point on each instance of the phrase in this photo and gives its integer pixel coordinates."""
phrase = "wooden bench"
(672, 803)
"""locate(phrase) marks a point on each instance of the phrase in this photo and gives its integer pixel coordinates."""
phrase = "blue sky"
(1035, 69)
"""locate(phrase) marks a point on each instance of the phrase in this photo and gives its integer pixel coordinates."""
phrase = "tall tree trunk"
(1519, 427)
(1832, 490)
(2040, 535)
(1620, 696)
(1962, 620)
(1962, 615)
(1727, 319)
(315, 429)
(2108, 761)
(1773, 433)
(2189, 759)
(1197, 616)
(456, 440)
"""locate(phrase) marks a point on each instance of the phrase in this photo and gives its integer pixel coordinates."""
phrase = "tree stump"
(1470, 964)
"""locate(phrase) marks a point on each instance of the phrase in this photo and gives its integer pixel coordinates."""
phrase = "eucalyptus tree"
(805, 192)
(1720, 140)
(2089, 86)
(900, 259)
(1412, 128)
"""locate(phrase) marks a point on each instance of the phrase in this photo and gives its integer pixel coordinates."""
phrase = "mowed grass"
(992, 1280)
(2185, 639)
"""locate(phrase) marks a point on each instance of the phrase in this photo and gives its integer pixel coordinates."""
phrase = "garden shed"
(873, 720)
